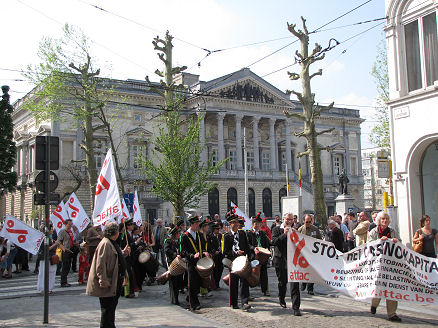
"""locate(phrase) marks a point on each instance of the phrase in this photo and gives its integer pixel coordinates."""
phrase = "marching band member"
(171, 249)
(214, 240)
(236, 244)
(192, 245)
(258, 238)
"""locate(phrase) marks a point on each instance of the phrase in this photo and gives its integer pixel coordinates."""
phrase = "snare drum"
(241, 267)
(262, 254)
(144, 257)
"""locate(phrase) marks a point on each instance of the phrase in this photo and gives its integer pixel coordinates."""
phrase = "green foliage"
(380, 134)
(8, 151)
(175, 167)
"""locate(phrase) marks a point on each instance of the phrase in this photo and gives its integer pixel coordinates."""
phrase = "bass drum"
(262, 254)
(144, 257)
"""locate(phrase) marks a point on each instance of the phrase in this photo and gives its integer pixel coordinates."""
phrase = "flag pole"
(287, 180)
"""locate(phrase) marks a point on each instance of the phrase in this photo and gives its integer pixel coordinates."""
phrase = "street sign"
(39, 199)
(129, 200)
(383, 169)
(40, 152)
(40, 181)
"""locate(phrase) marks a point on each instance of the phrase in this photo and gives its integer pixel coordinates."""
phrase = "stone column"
(202, 136)
(255, 135)
(272, 143)
(288, 148)
(220, 136)
(238, 119)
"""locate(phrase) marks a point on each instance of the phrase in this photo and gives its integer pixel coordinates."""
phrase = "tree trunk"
(178, 209)
(91, 162)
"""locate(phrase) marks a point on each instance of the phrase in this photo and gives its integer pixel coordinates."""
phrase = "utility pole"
(245, 159)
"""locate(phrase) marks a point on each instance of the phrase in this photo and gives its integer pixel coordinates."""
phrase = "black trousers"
(175, 284)
(74, 258)
(66, 262)
(308, 285)
(108, 311)
(282, 286)
(217, 271)
(234, 289)
(194, 286)
(264, 278)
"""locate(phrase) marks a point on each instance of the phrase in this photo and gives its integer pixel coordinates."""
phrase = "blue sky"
(123, 33)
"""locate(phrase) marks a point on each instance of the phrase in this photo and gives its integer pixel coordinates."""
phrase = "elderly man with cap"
(336, 235)
(258, 238)
(236, 244)
(171, 249)
(192, 249)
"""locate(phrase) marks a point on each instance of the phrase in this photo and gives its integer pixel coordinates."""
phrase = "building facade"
(238, 103)
(411, 33)
(374, 186)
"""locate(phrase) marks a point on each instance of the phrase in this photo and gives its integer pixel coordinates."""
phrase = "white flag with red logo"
(125, 212)
(136, 215)
(22, 235)
(239, 212)
(107, 200)
(59, 216)
(76, 213)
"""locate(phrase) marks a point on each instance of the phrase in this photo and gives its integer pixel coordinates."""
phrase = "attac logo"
(298, 260)
(102, 185)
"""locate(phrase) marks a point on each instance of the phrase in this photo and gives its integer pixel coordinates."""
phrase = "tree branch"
(324, 131)
(297, 115)
(319, 72)
(303, 153)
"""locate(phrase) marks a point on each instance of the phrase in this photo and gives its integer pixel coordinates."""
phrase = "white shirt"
(193, 233)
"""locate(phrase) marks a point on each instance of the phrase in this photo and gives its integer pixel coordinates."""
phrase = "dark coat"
(279, 241)
(187, 250)
(337, 238)
(263, 240)
(243, 245)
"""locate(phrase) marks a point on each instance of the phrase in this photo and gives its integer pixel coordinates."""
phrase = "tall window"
(338, 164)
(138, 152)
(213, 156)
(266, 161)
(231, 197)
(421, 44)
(30, 163)
(250, 160)
(100, 150)
(213, 202)
(283, 161)
(267, 202)
(232, 159)
(251, 202)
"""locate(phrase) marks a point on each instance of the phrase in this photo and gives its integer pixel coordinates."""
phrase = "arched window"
(281, 193)
(267, 202)
(213, 202)
(429, 176)
(251, 202)
(231, 197)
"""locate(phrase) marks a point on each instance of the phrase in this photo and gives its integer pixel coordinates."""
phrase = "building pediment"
(246, 86)
(139, 131)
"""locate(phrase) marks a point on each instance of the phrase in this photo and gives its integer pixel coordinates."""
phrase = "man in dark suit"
(258, 238)
(279, 240)
(236, 244)
(192, 249)
(215, 240)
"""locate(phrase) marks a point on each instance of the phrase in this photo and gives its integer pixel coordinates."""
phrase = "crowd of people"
(120, 259)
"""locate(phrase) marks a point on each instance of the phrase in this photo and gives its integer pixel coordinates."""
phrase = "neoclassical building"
(238, 103)
(411, 34)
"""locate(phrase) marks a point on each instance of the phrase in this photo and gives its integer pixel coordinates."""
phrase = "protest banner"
(382, 269)
(125, 212)
(136, 215)
(107, 200)
(77, 213)
(22, 235)
(59, 216)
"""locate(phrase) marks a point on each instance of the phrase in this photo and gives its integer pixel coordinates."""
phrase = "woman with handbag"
(53, 258)
(425, 240)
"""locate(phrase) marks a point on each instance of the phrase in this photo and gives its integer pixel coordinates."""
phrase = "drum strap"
(194, 247)
(222, 242)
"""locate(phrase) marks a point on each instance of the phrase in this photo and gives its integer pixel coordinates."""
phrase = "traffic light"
(40, 152)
